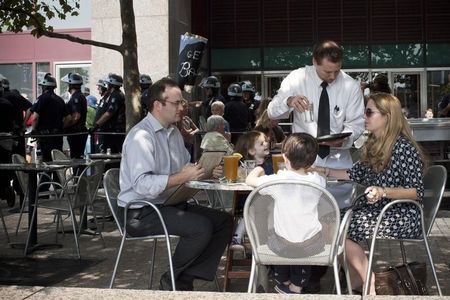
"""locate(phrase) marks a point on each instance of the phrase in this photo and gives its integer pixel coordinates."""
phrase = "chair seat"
(268, 257)
(57, 204)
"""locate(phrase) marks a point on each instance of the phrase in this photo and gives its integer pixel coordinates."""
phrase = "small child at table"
(252, 145)
(296, 223)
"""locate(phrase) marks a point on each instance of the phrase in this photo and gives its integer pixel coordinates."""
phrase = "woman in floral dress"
(391, 167)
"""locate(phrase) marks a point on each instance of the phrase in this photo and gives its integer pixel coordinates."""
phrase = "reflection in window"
(438, 86)
(407, 90)
(397, 55)
(279, 58)
(19, 76)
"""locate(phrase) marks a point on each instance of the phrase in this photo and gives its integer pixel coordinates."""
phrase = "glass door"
(407, 88)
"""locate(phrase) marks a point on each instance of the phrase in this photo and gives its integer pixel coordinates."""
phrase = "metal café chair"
(112, 188)
(258, 217)
(65, 201)
(434, 182)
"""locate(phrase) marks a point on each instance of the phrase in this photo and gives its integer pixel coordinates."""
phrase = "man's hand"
(217, 172)
(191, 172)
(299, 103)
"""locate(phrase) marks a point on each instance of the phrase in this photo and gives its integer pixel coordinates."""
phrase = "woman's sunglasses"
(369, 112)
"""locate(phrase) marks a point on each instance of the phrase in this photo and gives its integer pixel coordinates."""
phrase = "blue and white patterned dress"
(402, 221)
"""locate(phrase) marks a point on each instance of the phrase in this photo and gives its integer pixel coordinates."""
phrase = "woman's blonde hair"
(377, 152)
(264, 120)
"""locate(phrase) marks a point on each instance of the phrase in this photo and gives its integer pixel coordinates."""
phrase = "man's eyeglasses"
(176, 103)
(369, 112)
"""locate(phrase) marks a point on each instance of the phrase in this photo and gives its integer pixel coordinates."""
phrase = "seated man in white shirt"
(154, 162)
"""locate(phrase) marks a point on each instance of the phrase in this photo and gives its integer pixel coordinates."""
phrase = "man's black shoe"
(165, 284)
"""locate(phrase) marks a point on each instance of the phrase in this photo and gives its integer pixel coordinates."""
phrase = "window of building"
(63, 69)
(20, 78)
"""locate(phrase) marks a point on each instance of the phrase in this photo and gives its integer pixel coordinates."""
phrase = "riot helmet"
(114, 79)
(145, 79)
(101, 83)
(247, 86)
(73, 79)
(210, 82)
(47, 80)
(234, 90)
(5, 83)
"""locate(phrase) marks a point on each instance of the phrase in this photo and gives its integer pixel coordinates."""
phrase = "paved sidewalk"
(134, 269)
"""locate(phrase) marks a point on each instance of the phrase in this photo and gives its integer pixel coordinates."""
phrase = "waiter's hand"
(335, 143)
(217, 172)
(299, 103)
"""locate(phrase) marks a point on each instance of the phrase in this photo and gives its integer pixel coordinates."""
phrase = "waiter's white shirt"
(346, 109)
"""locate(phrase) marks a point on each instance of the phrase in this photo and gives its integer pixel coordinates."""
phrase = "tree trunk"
(130, 64)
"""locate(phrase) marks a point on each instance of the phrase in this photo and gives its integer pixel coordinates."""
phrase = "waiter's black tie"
(323, 123)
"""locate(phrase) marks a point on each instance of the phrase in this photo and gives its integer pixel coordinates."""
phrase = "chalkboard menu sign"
(190, 55)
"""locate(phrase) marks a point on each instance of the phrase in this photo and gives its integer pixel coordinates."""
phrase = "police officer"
(212, 89)
(112, 115)
(102, 88)
(76, 119)
(248, 96)
(6, 126)
(20, 105)
(145, 82)
(236, 112)
(49, 114)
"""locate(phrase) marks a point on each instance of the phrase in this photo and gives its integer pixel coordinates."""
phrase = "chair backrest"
(62, 174)
(23, 178)
(259, 213)
(88, 183)
(112, 189)
(434, 181)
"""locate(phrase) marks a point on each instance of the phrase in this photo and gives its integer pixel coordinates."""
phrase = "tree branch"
(75, 39)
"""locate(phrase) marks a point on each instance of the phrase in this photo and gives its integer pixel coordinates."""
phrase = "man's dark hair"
(327, 49)
(301, 150)
(157, 89)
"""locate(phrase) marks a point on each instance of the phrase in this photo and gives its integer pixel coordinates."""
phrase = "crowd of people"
(157, 156)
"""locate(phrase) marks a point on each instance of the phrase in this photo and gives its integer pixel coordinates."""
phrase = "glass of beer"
(276, 158)
(230, 166)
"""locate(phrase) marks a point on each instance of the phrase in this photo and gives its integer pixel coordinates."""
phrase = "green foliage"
(19, 15)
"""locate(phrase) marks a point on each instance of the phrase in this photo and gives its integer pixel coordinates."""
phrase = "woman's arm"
(375, 193)
(330, 172)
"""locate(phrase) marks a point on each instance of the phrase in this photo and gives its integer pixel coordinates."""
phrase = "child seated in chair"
(296, 228)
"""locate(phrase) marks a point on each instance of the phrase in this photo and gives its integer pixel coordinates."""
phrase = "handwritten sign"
(189, 58)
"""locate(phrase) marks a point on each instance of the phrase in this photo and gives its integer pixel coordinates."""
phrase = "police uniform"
(6, 126)
(144, 100)
(20, 105)
(52, 111)
(116, 106)
(77, 143)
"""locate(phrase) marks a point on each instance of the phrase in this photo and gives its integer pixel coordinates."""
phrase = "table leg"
(230, 261)
(32, 226)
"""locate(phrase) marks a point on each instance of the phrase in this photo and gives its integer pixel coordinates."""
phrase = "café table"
(32, 169)
(104, 156)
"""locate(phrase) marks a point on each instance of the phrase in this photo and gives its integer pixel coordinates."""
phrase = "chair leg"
(369, 265)
(4, 227)
(74, 226)
(122, 243)
(152, 263)
(22, 207)
(97, 230)
(252, 276)
(336, 276)
(430, 259)
(169, 255)
(216, 280)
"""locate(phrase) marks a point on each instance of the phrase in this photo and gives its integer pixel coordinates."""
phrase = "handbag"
(405, 279)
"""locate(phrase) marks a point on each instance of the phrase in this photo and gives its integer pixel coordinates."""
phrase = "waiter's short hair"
(157, 89)
(327, 49)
